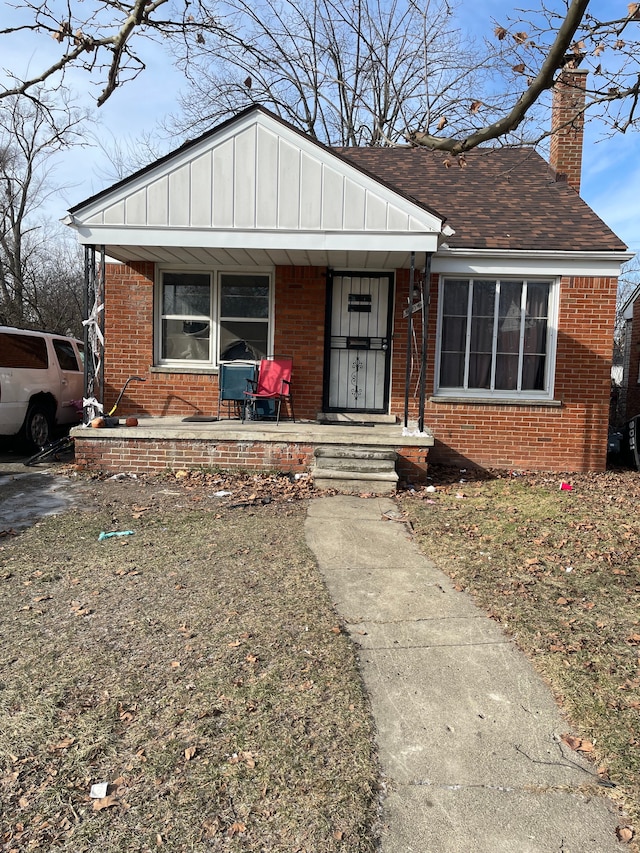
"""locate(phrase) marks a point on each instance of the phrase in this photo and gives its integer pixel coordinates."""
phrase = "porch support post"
(93, 334)
(407, 375)
(426, 298)
(89, 272)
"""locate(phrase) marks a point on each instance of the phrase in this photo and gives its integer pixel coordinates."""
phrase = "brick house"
(471, 299)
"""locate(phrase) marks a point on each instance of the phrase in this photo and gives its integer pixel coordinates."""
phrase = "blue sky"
(611, 167)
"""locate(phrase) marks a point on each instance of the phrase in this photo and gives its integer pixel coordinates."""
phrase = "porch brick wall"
(569, 437)
(140, 456)
(153, 456)
(300, 294)
(633, 388)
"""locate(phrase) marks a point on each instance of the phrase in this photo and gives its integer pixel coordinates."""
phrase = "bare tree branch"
(346, 74)
(555, 59)
(31, 130)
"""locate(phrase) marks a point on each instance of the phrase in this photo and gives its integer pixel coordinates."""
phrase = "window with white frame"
(207, 317)
(244, 316)
(496, 337)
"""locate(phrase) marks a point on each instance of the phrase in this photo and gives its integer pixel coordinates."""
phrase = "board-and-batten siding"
(257, 179)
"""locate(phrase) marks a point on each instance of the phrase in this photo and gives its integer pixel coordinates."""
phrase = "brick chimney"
(567, 125)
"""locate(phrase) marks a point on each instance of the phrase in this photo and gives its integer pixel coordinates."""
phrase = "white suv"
(41, 384)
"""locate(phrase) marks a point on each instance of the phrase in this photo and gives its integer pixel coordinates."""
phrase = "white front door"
(359, 342)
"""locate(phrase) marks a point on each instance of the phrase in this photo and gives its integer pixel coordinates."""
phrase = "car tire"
(38, 426)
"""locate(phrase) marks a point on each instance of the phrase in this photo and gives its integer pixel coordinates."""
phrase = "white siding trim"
(257, 174)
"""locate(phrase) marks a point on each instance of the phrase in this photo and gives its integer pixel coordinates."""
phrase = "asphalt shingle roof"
(503, 198)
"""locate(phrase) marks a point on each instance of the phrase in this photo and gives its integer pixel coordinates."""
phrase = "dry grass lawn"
(195, 667)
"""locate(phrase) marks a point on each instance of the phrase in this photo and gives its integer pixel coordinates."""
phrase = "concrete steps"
(353, 469)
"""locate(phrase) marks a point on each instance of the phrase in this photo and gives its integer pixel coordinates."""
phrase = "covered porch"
(249, 242)
(159, 444)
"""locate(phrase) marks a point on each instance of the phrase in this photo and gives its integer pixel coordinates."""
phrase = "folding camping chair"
(233, 380)
(273, 384)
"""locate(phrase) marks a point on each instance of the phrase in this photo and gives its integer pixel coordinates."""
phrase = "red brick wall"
(571, 437)
(300, 297)
(299, 332)
(633, 388)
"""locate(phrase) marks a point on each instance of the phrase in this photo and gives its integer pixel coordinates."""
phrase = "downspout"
(407, 375)
(426, 298)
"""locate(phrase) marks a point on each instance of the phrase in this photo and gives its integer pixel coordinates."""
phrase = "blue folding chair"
(233, 380)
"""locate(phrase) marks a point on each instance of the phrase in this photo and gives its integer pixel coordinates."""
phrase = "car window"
(23, 351)
(66, 355)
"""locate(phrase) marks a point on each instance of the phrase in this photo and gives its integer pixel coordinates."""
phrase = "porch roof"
(256, 191)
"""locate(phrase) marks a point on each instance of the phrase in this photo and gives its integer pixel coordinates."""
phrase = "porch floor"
(298, 432)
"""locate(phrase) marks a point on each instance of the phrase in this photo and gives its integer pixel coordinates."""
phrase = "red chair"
(273, 383)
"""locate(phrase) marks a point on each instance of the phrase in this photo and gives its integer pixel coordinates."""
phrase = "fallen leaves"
(625, 834)
(107, 802)
(244, 757)
(79, 609)
(578, 744)
(63, 744)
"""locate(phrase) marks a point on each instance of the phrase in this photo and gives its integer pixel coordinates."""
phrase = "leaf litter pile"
(559, 567)
(184, 687)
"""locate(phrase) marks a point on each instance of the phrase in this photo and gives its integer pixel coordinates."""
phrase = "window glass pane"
(535, 336)
(452, 370)
(243, 339)
(510, 322)
(533, 369)
(66, 356)
(184, 339)
(538, 299)
(506, 372)
(482, 326)
(454, 333)
(510, 299)
(480, 370)
(23, 351)
(484, 298)
(186, 294)
(455, 299)
(244, 296)
(481, 334)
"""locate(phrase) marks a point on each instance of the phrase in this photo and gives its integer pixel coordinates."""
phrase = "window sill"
(202, 369)
(497, 401)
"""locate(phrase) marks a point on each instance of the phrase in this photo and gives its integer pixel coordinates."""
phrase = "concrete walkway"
(468, 734)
